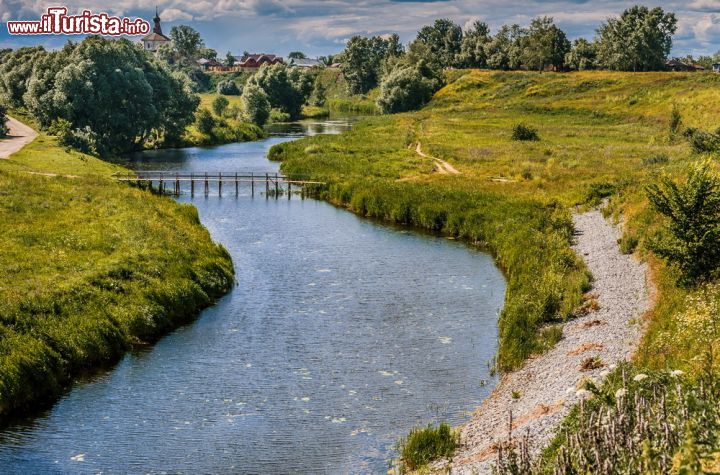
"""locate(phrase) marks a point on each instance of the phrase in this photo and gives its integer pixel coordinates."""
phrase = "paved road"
(20, 135)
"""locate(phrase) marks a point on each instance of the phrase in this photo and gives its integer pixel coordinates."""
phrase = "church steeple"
(157, 29)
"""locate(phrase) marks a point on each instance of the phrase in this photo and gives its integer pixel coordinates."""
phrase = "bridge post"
(289, 190)
(207, 185)
(267, 185)
(277, 187)
(177, 185)
(237, 193)
(192, 184)
(219, 184)
(252, 183)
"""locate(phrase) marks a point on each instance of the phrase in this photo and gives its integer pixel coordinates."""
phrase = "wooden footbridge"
(169, 182)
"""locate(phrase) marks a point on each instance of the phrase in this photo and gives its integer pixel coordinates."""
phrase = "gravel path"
(19, 135)
(546, 384)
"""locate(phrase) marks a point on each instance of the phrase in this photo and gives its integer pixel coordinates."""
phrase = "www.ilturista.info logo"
(57, 22)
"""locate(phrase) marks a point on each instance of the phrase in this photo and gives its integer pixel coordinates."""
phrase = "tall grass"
(423, 445)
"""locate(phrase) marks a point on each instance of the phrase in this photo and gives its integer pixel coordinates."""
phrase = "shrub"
(524, 132)
(658, 159)
(692, 237)
(205, 121)
(675, 121)
(3, 121)
(702, 141)
(256, 104)
(407, 88)
(628, 243)
(220, 105)
(228, 88)
(425, 445)
(84, 140)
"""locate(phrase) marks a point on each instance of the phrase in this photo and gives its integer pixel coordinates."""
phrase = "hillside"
(601, 135)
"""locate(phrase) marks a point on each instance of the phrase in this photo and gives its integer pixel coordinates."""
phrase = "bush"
(407, 88)
(228, 88)
(675, 121)
(3, 121)
(658, 159)
(692, 238)
(425, 445)
(220, 105)
(84, 140)
(702, 141)
(524, 132)
(256, 104)
(205, 121)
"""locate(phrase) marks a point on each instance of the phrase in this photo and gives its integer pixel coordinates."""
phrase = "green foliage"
(639, 40)
(544, 45)
(228, 87)
(657, 159)
(582, 56)
(444, 42)
(296, 55)
(229, 60)
(361, 62)
(524, 132)
(424, 445)
(472, 49)
(220, 105)
(16, 69)
(407, 88)
(3, 121)
(628, 243)
(675, 121)
(505, 48)
(256, 104)
(187, 41)
(286, 88)
(692, 238)
(702, 141)
(205, 121)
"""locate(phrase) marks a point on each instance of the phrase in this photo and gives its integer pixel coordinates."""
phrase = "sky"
(321, 27)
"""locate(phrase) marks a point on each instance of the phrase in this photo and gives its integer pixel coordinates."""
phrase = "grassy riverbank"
(598, 133)
(90, 268)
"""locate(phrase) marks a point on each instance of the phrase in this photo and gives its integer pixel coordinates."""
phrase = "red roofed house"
(253, 62)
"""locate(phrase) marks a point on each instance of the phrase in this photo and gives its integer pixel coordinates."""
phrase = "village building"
(677, 65)
(209, 64)
(305, 63)
(153, 40)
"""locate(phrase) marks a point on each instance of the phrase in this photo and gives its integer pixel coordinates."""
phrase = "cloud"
(175, 14)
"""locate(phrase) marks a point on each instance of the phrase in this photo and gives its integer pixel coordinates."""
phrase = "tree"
(220, 105)
(205, 122)
(286, 88)
(111, 91)
(692, 237)
(361, 62)
(407, 87)
(640, 40)
(505, 49)
(544, 45)
(3, 121)
(256, 104)
(229, 60)
(394, 46)
(582, 55)
(472, 49)
(207, 53)
(15, 71)
(187, 42)
(296, 55)
(228, 88)
(444, 39)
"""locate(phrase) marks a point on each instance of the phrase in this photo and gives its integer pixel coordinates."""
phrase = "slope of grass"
(597, 130)
(90, 267)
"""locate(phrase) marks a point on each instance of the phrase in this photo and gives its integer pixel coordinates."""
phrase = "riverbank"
(602, 135)
(92, 267)
(537, 397)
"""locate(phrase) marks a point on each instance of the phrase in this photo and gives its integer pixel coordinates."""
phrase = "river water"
(340, 335)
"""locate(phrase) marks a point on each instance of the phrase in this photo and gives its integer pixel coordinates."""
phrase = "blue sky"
(320, 27)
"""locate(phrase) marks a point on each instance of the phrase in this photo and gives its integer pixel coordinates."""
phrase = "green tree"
(229, 60)
(407, 87)
(187, 42)
(220, 105)
(394, 47)
(15, 71)
(296, 55)
(582, 55)
(205, 122)
(256, 104)
(286, 88)
(692, 237)
(3, 121)
(544, 45)
(639, 40)
(505, 49)
(472, 49)
(207, 53)
(444, 39)
(228, 88)
(361, 62)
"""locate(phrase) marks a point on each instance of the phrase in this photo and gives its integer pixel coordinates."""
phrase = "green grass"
(599, 136)
(229, 129)
(89, 268)
(424, 445)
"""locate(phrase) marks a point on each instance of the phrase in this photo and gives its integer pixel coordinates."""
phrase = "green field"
(598, 134)
(90, 267)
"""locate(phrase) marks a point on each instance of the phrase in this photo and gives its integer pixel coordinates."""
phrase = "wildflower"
(676, 372)
(570, 390)
(604, 373)
(620, 393)
(582, 392)
(639, 377)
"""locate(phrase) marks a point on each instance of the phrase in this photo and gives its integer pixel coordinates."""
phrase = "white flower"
(582, 393)
(676, 372)
(612, 367)
(570, 390)
(620, 393)
(604, 373)
(639, 377)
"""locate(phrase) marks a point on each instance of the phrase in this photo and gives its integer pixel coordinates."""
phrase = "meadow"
(90, 268)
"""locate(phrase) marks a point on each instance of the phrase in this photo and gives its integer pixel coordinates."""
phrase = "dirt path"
(19, 136)
(545, 388)
(441, 165)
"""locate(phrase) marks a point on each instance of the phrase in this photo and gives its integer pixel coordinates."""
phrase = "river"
(340, 335)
